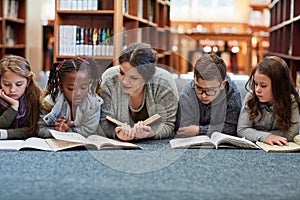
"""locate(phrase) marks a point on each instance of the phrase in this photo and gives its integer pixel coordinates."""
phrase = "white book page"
(36, 143)
(58, 145)
(186, 142)
(101, 142)
(219, 138)
(276, 148)
(11, 144)
(69, 136)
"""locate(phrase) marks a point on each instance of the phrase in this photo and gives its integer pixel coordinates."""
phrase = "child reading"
(19, 99)
(211, 102)
(70, 102)
(270, 112)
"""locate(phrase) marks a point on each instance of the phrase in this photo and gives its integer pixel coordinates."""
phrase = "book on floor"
(66, 140)
(292, 147)
(216, 140)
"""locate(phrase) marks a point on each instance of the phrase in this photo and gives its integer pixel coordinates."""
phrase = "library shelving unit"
(259, 21)
(12, 23)
(285, 32)
(118, 22)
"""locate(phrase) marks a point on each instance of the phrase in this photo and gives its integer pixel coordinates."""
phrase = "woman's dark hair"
(142, 57)
(210, 67)
(282, 87)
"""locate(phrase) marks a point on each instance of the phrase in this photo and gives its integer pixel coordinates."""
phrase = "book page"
(58, 145)
(151, 120)
(276, 148)
(11, 144)
(69, 136)
(36, 143)
(102, 142)
(190, 141)
(219, 138)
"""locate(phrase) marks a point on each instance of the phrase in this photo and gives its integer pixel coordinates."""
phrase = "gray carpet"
(156, 172)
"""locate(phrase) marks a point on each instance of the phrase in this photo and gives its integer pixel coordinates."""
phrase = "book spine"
(81, 47)
(78, 40)
(79, 4)
(103, 50)
(74, 5)
(84, 4)
(94, 4)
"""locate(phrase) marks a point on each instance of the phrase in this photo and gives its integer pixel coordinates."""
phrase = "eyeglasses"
(208, 91)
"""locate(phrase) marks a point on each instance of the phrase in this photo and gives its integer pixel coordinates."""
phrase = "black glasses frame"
(208, 91)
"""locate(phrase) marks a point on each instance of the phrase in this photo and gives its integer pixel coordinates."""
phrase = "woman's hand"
(139, 131)
(60, 124)
(124, 132)
(273, 139)
(188, 131)
(13, 102)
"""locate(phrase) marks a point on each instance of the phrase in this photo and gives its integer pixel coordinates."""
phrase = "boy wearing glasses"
(211, 102)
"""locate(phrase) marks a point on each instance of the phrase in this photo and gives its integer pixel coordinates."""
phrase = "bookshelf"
(78, 29)
(285, 31)
(249, 32)
(259, 22)
(12, 23)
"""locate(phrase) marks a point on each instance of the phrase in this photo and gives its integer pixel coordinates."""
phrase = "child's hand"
(124, 132)
(60, 124)
(140, 131)
(273, 139)
(188, 131)
(13, 102)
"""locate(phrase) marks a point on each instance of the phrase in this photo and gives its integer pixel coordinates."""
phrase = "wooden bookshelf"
(128, 20)
(12, 31)
(259, 23)
(285, 31)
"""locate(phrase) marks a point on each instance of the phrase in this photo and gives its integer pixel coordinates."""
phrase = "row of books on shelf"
(140, 6)
(258, 18)
(76, 40)
(11, 8)
(80, 5)
(260, 1)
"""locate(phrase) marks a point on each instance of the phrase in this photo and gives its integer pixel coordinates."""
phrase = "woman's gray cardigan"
(161, 98)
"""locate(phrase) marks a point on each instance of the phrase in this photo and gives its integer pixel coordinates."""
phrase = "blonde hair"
(21, 66)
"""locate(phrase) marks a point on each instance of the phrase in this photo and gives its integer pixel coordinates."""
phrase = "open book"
(214, 141)
(293, 146)
(276, 148)
(151, 120)
(66, 140)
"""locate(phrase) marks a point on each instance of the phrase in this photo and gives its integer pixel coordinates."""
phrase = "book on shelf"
(152, 9)
(10, 36)
(292, 147)
(66, 140)
(140, 9)
(91, 41)
(125, 6)
(11, 8)
(151, 120)
(78, 5)
(217, 140)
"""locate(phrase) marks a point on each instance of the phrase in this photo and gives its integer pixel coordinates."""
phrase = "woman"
(134, 91)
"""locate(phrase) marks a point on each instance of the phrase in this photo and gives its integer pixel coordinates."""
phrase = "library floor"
(155, 172)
